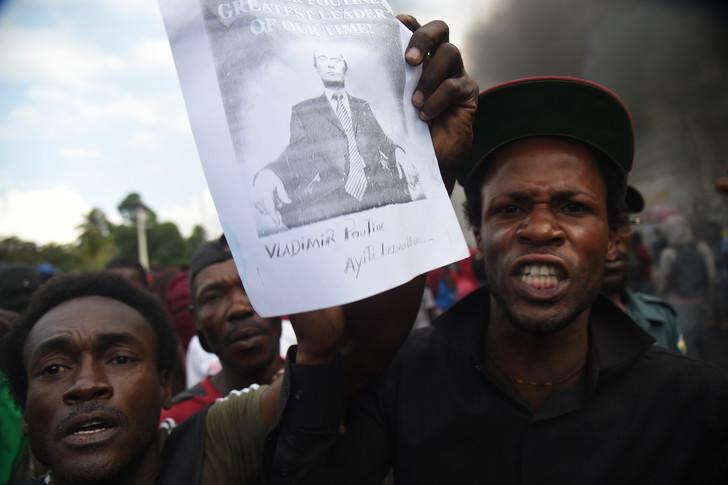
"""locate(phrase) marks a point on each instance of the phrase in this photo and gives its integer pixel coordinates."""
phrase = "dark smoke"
(667, 59)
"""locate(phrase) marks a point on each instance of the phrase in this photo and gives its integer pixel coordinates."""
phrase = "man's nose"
(91, 382)
(240, 306)
(540, 228)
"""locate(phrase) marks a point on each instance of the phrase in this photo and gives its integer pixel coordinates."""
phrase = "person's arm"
(375, 327)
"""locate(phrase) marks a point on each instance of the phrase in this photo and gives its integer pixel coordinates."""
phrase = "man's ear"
(478, 244)
(612, 244)
(200, 336)
(165, 383)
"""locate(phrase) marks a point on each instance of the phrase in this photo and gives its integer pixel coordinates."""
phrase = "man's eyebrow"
(106, 340)
(565, 194)
(215, 285)
(557, 194)
(60, 343)
(65, 344)
(220, 284)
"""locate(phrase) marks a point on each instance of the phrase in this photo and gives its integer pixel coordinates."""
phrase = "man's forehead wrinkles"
(219, 282)
(67, 339)
(54, 343)
(534, 190)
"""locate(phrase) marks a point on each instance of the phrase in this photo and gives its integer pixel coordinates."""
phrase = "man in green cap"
(534, 378)
(651, 313)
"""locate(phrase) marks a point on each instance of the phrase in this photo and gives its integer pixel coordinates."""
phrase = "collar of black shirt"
(615, 343)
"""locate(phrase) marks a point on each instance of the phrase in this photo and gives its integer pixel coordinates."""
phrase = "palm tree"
(95, 244)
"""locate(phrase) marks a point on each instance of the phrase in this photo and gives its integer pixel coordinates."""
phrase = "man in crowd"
(90, 363)
(227, 325)
(90, 360)
(18, 282)
(652, 314)
(686, 279)
(534, 378)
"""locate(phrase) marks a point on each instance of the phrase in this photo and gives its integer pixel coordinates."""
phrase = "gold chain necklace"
(528, 382)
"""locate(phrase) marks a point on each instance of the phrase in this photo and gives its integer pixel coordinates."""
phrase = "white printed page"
(324, 177)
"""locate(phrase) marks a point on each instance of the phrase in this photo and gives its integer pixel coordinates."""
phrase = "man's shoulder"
(308, 104)
(687, 373)
(357, 102)
(243, 403)
(457, 331)
(198, 391)
(652, 304)
(421, 341)
(189, 402)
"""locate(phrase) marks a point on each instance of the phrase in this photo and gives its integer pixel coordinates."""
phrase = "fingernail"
(418, 99)
(413, 55)
(423, 116)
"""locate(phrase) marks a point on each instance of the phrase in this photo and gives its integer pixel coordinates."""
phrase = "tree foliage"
(62, 256)
(196, 239)
(95, 245)
(100, 240)
(129, 207)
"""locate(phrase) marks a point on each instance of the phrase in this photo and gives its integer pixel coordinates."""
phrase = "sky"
(91, 110)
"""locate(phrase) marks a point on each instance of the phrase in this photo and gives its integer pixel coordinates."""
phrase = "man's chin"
(541, 319)
(83, 472)
(614, 284)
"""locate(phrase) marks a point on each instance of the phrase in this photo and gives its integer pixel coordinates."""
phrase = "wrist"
(304, 357)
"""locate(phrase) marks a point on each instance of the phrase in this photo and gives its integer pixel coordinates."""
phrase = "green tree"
(63, 256)
(130, 205)
(15, 250)
(196, 239)
(95, 244)
(165, 244)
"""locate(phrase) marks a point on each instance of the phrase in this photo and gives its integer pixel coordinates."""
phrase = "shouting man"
(534, 378)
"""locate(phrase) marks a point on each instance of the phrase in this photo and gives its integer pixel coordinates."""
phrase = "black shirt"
(643, 415)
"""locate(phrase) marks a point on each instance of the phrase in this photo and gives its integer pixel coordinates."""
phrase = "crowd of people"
(554, 354)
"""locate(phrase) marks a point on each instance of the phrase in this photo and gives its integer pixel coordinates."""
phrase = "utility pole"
(141, 223)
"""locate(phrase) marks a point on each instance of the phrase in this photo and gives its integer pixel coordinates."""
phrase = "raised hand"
(445, 96)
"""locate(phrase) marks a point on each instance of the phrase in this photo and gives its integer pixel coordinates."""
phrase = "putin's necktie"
(356, 183)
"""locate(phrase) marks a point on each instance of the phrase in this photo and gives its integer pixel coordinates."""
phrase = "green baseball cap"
(561, 106)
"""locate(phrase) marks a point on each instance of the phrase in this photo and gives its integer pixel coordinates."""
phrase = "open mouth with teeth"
(541, 276)
(91, 432)
(91, 427)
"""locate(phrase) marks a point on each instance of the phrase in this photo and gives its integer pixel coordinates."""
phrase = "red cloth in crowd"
(433, 279)
(190, 401)
(178, 302)
(465, 280)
